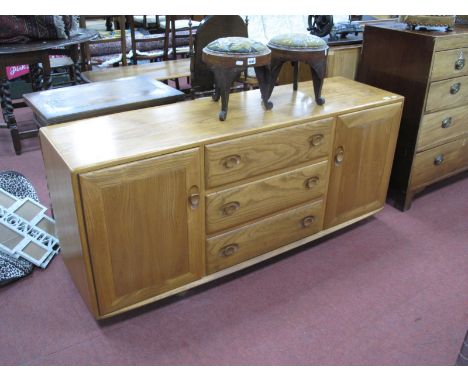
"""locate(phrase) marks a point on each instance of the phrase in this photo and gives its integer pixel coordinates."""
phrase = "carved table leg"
(36, 77)
(264, 79)
(9, 116)
(317, 69)
(223, 81)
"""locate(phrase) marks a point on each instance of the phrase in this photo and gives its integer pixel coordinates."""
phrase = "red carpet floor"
(392, 290)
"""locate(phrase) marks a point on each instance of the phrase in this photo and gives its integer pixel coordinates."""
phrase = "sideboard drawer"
(442, 126)
(439, 162)
(238, 205)
(447, 93)
(449, 41)
(450, 63)
(257, 154)
(236, 246)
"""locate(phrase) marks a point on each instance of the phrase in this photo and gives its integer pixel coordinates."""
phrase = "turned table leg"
(9, 116)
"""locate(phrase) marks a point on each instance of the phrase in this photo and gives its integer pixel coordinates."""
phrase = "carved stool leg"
(317, 69)
(275, 68)
(295, 65)
(223, 80)
(264, 78)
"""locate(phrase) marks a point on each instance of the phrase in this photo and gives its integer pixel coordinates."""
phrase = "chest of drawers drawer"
(450, 63)
(257, 154)
(238, 205)
(236, 246)
(442, 126)
(439, 162)
(447, 93)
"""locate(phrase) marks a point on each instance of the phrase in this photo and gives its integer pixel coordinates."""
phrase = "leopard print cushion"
(297, 41)
(12, 269)
(236, 45)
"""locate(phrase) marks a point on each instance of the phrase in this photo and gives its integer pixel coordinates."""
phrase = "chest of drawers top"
(114, 139)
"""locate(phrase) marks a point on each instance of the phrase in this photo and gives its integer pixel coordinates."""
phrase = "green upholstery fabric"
(297, 41)
(236, 45)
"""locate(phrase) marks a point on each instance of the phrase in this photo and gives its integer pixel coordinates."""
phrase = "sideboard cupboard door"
(143, 224)
(361, 162)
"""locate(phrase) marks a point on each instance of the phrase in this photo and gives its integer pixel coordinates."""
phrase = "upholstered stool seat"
(297, 47)
(227, 57)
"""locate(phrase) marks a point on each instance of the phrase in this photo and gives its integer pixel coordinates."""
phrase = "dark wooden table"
(33, 54)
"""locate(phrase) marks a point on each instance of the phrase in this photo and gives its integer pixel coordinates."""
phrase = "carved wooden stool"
(296, 47)
(227, 57)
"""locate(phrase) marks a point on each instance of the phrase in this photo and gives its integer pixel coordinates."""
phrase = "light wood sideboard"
(152, 202)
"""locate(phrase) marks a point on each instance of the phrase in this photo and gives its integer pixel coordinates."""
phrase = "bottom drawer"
(236, 246)
(439, 162)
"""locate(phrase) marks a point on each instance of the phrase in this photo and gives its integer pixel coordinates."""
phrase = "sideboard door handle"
(229, 250)
(455, 88)
(194, 197)
(229, 208)
(339, 156)
(446, 123)
(231, 161)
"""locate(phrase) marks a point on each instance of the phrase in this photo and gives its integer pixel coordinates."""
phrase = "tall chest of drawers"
(430, 69)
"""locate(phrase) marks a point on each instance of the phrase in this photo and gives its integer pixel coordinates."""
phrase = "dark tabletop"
(82, 36)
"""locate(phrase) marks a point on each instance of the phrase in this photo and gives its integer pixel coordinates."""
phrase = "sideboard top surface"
(99, 142)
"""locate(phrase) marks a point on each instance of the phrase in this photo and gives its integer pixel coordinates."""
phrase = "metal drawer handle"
(339, 156)
(312, 182)
(194, 197)
(455, 88)
(460, 64)
(231, 161)
(438, 159)
(446, 123)
(316, 140)
(229, 208)
(308, 221)
(229, 250)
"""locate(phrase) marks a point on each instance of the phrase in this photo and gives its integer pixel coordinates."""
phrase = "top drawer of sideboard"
(450, 63)
(241, 158)
(451, 41)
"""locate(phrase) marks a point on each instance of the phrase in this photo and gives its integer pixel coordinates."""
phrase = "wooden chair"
(158, 54)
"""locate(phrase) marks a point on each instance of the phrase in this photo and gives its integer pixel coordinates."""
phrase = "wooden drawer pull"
(446, 123)
(438, 159)
(194, 197)
(231, 161)
(339, 156)
(312, 182)
(229, 208)
(308, 221)
(455, 88)
(316, 140)
(229, 250)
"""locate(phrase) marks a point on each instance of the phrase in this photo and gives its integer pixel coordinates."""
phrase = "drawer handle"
(312, 182)
(308, 221)
(455, 88)
(229, 250)
(194, 197)
(316, 140)
(229, 208)
(460, 64)
(339, 156)
(231, 161)
(446, 123)
(438, 159)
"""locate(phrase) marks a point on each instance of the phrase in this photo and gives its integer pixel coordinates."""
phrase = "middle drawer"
(238, 205)
(242, 158)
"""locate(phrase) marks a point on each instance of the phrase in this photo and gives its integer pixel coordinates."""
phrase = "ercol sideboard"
(429, 69)
(152, 202)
